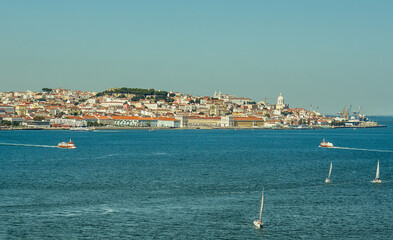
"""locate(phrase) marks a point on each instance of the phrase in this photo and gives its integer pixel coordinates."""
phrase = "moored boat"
(326, 144)
(69, 145)
(80, 129)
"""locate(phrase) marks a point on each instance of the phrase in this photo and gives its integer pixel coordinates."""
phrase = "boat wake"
(363, 149)
(27, 145)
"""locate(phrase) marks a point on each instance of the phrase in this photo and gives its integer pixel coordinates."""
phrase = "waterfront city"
(135, 108)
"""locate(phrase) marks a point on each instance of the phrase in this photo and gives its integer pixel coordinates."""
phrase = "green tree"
(6, 123)
(337, 123)
(48, 90)
(38, 118)
(139, 92)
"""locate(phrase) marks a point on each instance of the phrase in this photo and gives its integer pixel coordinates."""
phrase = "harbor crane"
(345, 113)
(357, 113)
(342, 113)
(348, 112)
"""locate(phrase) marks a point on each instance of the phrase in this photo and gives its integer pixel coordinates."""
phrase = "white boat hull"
(327, 180)
(376, 181)
(69, 145)
(258, 224)
(80, 129)
(326, 144)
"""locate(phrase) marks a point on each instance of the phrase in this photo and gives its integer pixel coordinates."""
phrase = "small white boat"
(330, 172)
(80, 129)
(326, 144)
(377, 180)
(258, 222)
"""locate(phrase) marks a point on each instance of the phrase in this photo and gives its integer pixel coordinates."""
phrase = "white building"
(227, 121)
(280, 103)
(68, 122)
(183, 121)
(168, 122)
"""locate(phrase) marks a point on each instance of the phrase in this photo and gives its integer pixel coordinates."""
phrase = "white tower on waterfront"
(280, 102)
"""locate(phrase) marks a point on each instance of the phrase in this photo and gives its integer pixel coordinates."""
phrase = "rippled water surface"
(196, 184)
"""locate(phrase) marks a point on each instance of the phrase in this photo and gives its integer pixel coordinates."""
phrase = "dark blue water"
(196, 184)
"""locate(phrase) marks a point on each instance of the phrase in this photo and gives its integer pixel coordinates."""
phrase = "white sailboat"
(258, 222)
(330, 173)
(377, 180)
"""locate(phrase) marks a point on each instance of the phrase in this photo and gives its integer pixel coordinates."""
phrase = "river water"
(196, 184)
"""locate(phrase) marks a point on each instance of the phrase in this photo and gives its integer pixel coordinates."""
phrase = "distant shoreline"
(188, 128)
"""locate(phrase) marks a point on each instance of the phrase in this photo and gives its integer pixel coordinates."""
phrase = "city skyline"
(135, 107)
(270, 101)
(325, 54)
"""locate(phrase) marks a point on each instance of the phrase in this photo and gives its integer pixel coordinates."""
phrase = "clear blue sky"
(325, 53)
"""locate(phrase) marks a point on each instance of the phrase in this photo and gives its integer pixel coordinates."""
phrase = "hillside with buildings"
(133, 107)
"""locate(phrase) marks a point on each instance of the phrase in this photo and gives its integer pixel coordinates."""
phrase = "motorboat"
(326, 144)
(69, 145)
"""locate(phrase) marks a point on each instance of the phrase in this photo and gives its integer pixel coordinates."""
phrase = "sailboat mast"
(330, 170)
(260, 212)
(377, 174)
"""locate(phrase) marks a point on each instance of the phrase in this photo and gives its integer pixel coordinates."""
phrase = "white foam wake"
(27, 145)
(363, 149)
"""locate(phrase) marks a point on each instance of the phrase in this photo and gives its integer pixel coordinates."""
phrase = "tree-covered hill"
(138, 93)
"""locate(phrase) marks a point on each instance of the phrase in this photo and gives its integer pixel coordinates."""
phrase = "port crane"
(346, 112)
(357, 113)
(342, 113)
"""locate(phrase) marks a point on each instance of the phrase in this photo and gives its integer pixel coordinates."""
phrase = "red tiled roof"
(248, 119)
(167, 119)
(75, 117)
(101, 117)
(196, 117)
(132, 118)
(89, 117)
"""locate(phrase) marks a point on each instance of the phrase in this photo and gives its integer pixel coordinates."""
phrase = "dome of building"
(280, 99)
(280, 102)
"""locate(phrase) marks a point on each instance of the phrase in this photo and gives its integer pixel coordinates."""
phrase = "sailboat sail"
(377, 174)
(330, 171)
(260, 212)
